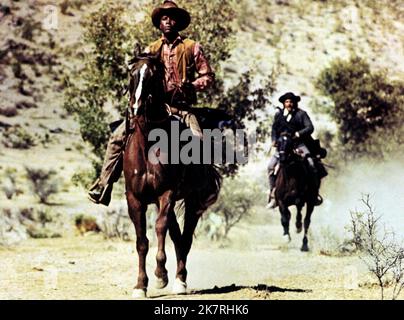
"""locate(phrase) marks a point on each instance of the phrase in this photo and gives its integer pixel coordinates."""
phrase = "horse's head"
(285, 147)
(146, 87)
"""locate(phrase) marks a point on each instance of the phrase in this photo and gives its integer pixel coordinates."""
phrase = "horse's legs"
(299, 218)
(166, 205)
(175, 234)
(285, 218)
(192, 215)
(309, 211)
(137, 213)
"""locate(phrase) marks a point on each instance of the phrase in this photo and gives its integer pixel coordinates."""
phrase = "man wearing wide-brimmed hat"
(297, 122)
(186, 71)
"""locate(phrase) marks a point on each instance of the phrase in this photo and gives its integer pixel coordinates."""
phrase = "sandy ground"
(89, 267)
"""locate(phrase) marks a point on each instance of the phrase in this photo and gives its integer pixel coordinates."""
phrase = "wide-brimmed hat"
(289, 95)
(170, 8)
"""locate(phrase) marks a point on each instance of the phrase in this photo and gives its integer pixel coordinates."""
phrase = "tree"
(367, 107)
(113, 39)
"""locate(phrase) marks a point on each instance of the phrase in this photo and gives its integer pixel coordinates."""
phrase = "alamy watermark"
(216, 146)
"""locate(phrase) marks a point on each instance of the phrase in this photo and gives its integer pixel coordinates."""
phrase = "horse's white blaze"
(139, 88)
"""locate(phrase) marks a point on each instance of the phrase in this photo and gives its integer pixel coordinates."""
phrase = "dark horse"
(296, 184)
(160, 184)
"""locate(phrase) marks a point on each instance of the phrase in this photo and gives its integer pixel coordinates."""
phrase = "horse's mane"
(141, 57)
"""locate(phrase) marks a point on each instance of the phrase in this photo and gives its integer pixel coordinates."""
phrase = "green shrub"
(42, 233)
(83, 178)
(18, 138)
(43, 183)
(366, 106)
(237, 197)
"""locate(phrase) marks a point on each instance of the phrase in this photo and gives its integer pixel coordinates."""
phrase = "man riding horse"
(296, 122)
(183, 59)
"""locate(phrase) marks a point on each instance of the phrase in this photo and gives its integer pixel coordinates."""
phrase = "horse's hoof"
(287, 238)
(304, 248)
(161, 282)
(139, 294)
(179, 287)
(298, 229)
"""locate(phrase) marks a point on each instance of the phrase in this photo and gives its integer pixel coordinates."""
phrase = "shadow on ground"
(233, 288)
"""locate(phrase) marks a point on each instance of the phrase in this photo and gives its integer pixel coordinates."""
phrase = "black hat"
(289, 95)
(170, 7)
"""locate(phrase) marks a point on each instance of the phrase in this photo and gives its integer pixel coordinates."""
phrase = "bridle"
(146, 98)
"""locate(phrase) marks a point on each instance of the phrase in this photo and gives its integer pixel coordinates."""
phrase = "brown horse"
(197, 186)
(297, 185)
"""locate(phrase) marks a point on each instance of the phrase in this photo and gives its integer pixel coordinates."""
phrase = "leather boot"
(100, 194)
(271, 197)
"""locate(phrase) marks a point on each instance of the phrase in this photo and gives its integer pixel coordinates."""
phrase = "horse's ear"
(137, 50)
(133, 60)
(155, 56)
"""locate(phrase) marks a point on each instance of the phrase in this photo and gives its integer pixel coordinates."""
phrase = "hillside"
(296, 38)
(41, 43)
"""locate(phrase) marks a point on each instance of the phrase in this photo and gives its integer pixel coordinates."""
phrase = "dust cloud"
(343, 191)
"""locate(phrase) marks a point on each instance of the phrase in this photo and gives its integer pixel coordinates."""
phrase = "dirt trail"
(93, 268)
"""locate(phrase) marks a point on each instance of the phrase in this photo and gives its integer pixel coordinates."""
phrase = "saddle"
(315, 148)
(212, 118)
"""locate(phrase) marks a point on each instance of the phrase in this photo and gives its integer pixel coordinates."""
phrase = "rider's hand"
(297, 135)
(274, 143)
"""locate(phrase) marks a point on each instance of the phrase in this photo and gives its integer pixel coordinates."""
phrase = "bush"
(117, 224)
(332, 244)
(11, 228)
(76, 4)
(9, 183)
(379, 249)
(42, 233)
(29, 27)
(365, 104)
(43, 183)
(212, 226)
(18, 138)
(83, 178)
(38, 223)
(237, 197)
(19, 224)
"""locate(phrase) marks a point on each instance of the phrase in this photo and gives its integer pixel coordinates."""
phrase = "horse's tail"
(207, 195)
(215, 179)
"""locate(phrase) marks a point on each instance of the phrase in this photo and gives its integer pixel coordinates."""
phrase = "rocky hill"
(40, 41)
